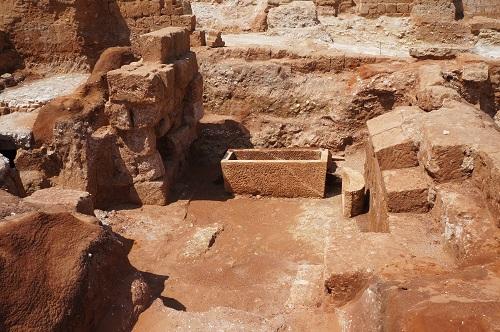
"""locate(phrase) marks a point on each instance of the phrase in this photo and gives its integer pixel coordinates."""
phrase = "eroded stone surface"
(51, 199)
(353, 192)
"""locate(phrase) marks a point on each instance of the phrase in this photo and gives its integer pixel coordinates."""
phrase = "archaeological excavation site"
(249, 165)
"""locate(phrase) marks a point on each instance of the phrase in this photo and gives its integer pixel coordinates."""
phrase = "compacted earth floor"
(257, 263)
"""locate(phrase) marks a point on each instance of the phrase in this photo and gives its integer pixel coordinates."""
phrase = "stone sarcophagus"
(276, 172)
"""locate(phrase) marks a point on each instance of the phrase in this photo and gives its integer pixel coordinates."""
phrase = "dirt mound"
(90, 97)
(59, 273)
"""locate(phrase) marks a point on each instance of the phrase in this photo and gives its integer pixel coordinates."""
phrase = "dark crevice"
(459, 9)
(11, 155)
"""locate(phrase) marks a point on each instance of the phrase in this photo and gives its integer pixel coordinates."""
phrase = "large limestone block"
(394, 137)
(407, 190)
(353, 192)
(433, 97)
(475, 72)
(139, 84)
(164, 45)
(393, 149)
(138, 9)
(61, 199)
(139, 142)
(384, 122)
(149, 193)
(469, 232)
(429, 75)
(185, 69)
(452, 136)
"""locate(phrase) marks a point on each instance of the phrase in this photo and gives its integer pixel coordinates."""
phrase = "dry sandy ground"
(265, 267)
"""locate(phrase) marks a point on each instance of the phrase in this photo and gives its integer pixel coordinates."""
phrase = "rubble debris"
(214, 39)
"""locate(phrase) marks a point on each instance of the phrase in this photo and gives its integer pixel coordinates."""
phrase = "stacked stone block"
(374, 8)
(154, 106)
(446, 160)
(394, 179)
(143, 16)
(489, 8)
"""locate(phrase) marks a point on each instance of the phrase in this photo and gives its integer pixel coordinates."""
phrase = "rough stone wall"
(143, 16)
(123, 136)
(374, 8)
(490, 8)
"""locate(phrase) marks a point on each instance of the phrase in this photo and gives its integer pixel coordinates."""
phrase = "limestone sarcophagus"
(276, 172)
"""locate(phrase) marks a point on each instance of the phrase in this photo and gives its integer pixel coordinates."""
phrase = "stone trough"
(276, 172)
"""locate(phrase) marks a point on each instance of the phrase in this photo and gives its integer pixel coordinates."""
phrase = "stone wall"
(143, 16)
(374, 8)
(490, 8)
(124, 135)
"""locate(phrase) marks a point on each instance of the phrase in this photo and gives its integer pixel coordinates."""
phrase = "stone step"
(407, 190)
(392, 140)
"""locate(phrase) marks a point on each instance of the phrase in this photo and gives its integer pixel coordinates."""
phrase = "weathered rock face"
(429, 302)
(83, 28)
(297, 14)
(284, 99)
(60, 273)
(9, 58)
(124, 135)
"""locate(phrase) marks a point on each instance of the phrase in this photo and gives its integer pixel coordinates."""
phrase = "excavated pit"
(317, 166)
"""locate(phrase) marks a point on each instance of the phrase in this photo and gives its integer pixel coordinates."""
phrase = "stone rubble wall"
(143, 16)
(124, 135)
(375, 8)
(489, 8)
(153, 109)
